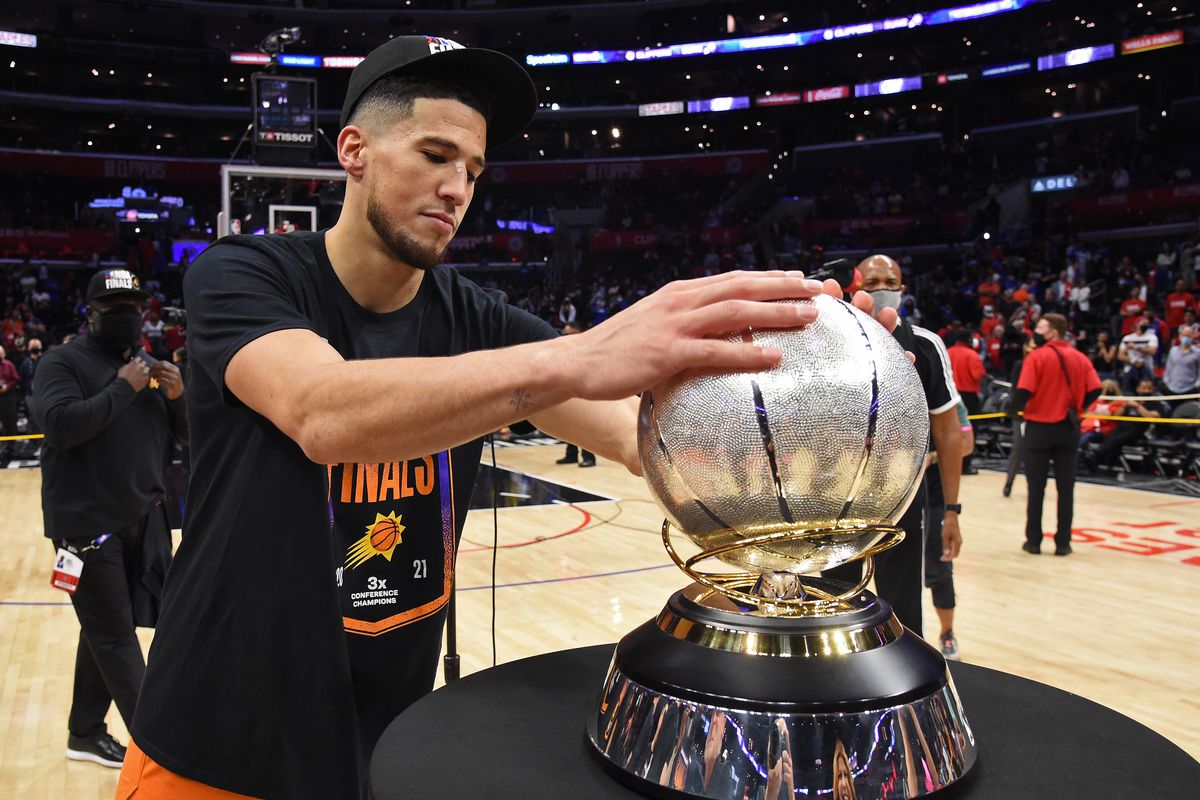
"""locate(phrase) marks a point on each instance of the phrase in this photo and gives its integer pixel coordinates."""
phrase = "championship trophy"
(767, 683)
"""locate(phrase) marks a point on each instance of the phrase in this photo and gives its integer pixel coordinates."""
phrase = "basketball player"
(899, 571)
(341, 382)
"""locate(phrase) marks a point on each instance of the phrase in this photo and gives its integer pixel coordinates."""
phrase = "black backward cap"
(513, 96)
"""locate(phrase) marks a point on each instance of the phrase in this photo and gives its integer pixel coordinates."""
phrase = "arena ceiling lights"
(941, 16)
(1069, 58)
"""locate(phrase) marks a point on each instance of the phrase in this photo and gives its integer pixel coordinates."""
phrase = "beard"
(402, 245)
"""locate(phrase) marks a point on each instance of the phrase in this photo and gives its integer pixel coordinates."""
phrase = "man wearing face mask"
(108, 410)
(1057, 382)
(1182, 374)
(899, 572)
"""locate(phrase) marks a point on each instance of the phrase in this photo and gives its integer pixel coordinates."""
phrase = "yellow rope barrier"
(1137, 397)
(26, 436)
(1149, 420)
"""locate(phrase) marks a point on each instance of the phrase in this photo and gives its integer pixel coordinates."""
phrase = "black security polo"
(102, 460)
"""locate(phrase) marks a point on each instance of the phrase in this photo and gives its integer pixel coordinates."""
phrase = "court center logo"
(380, 539)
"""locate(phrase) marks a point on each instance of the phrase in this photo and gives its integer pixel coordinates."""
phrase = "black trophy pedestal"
(709, 701)
(517, 731)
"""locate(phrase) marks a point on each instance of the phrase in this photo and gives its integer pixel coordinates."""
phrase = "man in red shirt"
(989, 291)
(968, 372)
(968, 368)
(1178, 302)
(1131, 310)
(995, 348)
(1056, 383)
(990, 320)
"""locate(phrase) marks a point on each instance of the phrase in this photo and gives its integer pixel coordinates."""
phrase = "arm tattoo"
(521, 400)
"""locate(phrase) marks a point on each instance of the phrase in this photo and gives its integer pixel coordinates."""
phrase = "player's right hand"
(136, 374)
(680, 327)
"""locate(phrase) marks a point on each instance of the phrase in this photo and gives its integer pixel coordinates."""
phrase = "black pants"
(971, 401)
(898, 571)
(1016, 456)
(1047, 443)
(1125, 433)
(33, 426)
(8, 413)
(939, 575)
(573, 453)
(108, 661)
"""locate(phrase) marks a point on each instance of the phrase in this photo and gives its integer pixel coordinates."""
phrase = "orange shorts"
(142, 779)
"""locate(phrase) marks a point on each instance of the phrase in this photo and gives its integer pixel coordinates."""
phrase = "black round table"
(517, 731)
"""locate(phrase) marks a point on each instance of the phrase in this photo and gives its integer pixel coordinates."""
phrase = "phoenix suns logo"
(380, 539)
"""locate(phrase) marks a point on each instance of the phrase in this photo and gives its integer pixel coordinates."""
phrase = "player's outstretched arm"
(610, 427)
(389, 409)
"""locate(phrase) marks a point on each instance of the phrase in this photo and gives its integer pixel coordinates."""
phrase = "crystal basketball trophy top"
(764, 682)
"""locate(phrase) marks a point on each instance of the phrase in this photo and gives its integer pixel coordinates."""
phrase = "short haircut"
(1056, 321)
(391, 99)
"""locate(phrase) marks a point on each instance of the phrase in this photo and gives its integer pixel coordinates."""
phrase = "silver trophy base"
(706, 702)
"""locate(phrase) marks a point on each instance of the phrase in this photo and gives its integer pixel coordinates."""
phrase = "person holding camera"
(108, 410)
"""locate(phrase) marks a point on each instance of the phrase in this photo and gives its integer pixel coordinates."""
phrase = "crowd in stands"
(1131, 302)
(1132, 305)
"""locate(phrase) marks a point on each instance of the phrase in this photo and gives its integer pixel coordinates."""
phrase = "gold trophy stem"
(728, 583)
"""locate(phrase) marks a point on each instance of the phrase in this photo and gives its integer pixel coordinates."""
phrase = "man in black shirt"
(107, 431)
(340, 384)
(899, 572)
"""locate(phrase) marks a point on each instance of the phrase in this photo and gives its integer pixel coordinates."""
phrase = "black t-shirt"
(305, 606)
(932, 363)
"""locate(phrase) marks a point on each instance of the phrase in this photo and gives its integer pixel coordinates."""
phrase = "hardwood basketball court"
(1115, 622)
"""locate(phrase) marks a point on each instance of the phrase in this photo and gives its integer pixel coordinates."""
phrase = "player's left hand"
(951, 538)
(169, 378)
